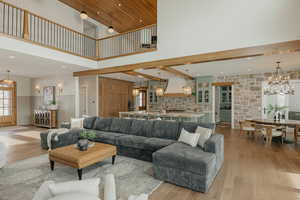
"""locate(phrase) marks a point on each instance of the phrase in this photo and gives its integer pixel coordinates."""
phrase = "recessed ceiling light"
(98, 12)
(140, 76)
(63, 66)
(141, 20)
(12, 57)
(119, 4)
(222, 72)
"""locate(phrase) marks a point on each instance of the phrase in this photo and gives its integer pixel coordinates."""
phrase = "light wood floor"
(251, 170)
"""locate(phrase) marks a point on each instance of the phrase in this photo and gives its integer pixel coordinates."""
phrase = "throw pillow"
(75, 196)
(189, 138)
(77, 122)
(205, 134)
(89, 186)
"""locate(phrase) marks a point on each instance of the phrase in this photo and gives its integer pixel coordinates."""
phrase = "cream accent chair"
(3, 154)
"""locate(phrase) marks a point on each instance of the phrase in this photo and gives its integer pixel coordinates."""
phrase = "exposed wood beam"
(223, 83)
(270, 49)
(147, 76)
(176, 72)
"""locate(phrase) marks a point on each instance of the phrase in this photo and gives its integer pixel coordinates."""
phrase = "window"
(5, 102)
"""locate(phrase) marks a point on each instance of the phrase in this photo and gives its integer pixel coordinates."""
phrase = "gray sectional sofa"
(156, 141)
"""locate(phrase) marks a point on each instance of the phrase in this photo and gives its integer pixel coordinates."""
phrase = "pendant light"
(135, 92)
(83, 15)
(187, 90)
(279, 83)
(7, 80)
(110, 29)
(159, 91)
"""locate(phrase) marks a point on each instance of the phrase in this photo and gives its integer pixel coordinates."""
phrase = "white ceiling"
(254, 65)
(33, 66)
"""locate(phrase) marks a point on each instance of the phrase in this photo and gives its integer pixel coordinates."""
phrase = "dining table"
(295, 124)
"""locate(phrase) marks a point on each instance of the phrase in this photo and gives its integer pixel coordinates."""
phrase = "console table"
(45, 118)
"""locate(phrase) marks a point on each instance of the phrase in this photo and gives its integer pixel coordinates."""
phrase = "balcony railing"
(20, 23)
(139, 40)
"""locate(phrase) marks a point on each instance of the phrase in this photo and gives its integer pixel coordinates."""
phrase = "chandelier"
(279, 83)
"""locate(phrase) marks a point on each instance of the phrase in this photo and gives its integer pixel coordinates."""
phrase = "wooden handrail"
(29, 12)
(44, 32)
(119, 34)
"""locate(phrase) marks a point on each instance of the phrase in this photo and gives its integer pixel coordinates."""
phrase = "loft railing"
(20, 23)
(23, 24)
(132, 42)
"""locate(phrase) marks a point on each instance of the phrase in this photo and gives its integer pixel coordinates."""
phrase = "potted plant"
(84, 138)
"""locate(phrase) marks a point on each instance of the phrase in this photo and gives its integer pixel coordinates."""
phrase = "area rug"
(20, 180)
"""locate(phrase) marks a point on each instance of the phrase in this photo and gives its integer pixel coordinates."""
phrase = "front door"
(8, 112)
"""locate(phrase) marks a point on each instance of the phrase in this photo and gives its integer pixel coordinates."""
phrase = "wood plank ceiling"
(123, 15)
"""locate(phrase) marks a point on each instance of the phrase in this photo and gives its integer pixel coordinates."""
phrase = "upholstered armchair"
(3, 152)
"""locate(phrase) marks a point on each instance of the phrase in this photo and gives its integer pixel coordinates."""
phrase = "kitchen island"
(171, 116)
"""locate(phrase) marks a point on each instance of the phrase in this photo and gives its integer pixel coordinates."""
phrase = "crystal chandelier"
(279, 83)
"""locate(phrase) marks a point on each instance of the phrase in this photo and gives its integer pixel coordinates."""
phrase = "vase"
(83, 144)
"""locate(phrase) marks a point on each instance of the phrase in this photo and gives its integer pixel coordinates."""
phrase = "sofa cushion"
(120, 125)
(192, 126)
(132, 141)
(88, 122)
(184, 157)
(102, 124)
(154, 144)
(107, 137)
(165, 129)
(141, 127)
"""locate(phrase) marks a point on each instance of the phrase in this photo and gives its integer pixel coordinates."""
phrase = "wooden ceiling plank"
(176, 72)
(123, 18)
(270, 49)
(147, 76)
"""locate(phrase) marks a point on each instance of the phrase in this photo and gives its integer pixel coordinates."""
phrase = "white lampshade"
(110, 29)
(159, 91)
(135, 92)
(187, 90)
(83, 15)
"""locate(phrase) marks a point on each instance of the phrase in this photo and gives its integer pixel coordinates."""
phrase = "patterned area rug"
(20, 180)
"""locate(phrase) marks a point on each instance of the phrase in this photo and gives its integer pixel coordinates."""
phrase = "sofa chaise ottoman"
(156, 141)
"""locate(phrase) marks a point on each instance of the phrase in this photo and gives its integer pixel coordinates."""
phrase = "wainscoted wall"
(65, 98)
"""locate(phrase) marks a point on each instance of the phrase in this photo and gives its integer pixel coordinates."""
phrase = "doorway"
(223, 105)
(83, 100)
(8, 104)
(142, 99)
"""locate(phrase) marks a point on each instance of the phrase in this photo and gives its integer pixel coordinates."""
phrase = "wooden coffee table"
(71, 156)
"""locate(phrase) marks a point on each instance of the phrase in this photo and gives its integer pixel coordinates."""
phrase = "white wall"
(65, 99)
(201, 26)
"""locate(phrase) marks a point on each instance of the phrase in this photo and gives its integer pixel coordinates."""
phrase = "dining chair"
(269, 132)
(297, 133)
(247, 127)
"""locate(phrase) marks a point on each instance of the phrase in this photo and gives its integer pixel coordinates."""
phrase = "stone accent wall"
(182, 103)
(247, 97)
(248, 94)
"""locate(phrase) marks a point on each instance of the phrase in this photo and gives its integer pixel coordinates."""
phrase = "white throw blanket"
(57, 132)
